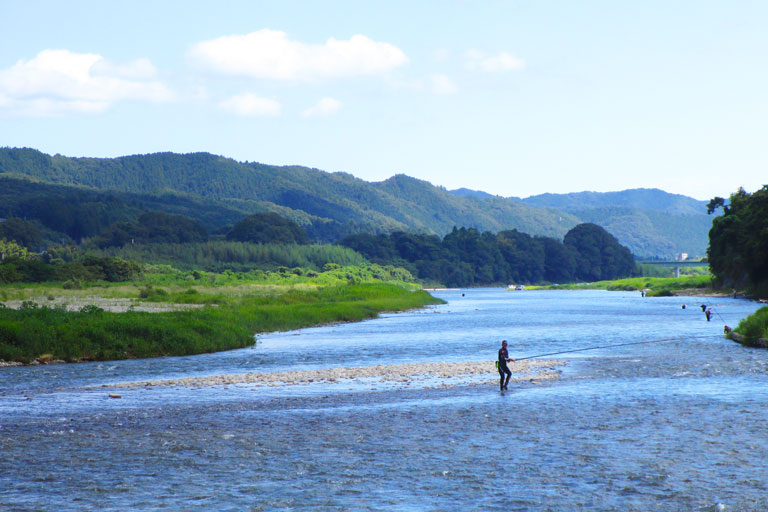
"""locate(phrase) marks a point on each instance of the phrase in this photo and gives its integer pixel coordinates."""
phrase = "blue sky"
(512, 97)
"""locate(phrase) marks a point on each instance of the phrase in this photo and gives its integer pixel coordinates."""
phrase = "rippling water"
(677, 424)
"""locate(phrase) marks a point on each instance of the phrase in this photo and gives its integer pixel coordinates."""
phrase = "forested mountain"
(218, 191)
(651, 222)
(328, 205)
(471, 193)
(651, 233)
(76, 212)
(640, 198)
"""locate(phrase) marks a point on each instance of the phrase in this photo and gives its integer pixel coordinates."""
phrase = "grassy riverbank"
(753, 330)
(654, 286)
(225, 316)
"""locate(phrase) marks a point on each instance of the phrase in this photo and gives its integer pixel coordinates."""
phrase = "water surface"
(680, 423)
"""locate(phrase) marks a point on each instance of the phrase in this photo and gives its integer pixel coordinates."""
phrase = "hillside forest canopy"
(77, 198)
(467, 257)
(738, 241)
(80, 217)
(464, 257)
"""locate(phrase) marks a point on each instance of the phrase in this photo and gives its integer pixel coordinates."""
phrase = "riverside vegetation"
(738, 255)
(753, 330)
(347, 288)
(77, 237)
(232, 308)
(653, 286)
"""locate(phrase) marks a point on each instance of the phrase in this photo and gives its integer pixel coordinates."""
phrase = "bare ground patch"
(115, 305)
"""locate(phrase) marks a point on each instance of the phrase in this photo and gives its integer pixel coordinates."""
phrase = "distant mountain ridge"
(651, 222)
(466, 192)
(641, 198)
(332, 205)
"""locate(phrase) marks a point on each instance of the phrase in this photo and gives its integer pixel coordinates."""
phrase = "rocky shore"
(440, 374)
(743, 340)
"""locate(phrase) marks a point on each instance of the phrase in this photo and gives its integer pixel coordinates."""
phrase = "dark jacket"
(503, 356)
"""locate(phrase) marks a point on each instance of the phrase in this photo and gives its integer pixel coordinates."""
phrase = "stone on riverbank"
(446, 373)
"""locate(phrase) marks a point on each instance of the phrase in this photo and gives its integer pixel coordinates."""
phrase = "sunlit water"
(677, 424)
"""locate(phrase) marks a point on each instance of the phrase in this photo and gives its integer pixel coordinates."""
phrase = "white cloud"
(502, 61)
(250, 105)
(442, 84)
(139, 69)
(59, 81)
(271, 54)
(324, 107)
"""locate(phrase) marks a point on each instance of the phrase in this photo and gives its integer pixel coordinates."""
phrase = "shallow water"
(676, 424)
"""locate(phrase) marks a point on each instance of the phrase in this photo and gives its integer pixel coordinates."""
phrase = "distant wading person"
(503, 369)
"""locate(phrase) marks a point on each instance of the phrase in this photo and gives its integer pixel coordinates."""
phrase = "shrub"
(90, 309)
(755, 325)
(28, 305)
(151, 293)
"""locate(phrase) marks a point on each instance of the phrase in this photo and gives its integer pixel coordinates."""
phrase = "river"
(675, 419)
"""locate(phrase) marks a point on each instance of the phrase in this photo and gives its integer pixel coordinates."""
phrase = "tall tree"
(738, 240)
(600, 254)
(26, 233)
(263, 228)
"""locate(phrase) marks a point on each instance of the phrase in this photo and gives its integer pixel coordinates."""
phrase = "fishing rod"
(661, 340)
(716, 311)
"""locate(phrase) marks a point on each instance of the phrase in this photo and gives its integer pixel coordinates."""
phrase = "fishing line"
(718, 314)
(660, 340)
(721, 316)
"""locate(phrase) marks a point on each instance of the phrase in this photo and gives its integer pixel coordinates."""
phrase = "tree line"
(218, 256)
(468, 257)
(464, 257)
(17, 266)
(738, 241)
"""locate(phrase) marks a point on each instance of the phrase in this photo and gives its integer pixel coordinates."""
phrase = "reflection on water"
(678, 424)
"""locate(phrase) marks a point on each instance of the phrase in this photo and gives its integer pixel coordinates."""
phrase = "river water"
(680, 423)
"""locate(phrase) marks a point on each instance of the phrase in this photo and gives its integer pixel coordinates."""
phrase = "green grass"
(655, 285)
(93, 334)
(163, 283)
(755, 326)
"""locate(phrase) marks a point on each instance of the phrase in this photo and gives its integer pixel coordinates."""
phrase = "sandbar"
(440, 374)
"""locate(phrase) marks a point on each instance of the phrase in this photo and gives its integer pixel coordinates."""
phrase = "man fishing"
(502, 364)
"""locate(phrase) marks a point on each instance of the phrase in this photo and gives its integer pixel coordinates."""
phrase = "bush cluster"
(755, 326)
(466, 257)
(35, 270)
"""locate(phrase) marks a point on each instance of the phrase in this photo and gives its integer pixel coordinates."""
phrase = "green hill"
(649, 233)
(218, 191)
(328, 205)
(650, 222)
(640, 198)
